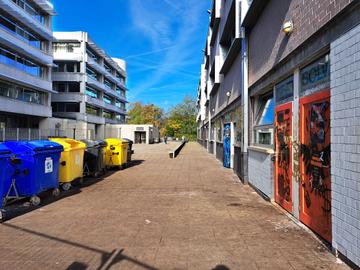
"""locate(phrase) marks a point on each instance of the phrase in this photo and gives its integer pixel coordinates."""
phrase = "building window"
(14, 60)
(107, 99)
(315, 76)
(62, 87)
(66, 66)
(120, 91)
(65, 107)
(120, 77)
(92, 55)
(264, 120)
(20, 31)
(92, 110)
(30, 9)
(92, 92)
(21, 93)
(91, 73)
(107, 115)
(108, 68)
(109, 84)
(120, 104)
(74, 87)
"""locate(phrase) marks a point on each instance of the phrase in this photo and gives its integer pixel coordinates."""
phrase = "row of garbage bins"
(28, 168)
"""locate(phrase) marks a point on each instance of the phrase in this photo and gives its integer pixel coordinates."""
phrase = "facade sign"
(284, 91)
(139, 128)
(316, 76)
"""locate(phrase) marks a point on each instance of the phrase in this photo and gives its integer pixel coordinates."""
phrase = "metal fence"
(23, 134)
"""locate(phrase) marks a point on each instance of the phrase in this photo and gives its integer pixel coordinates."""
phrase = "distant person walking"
(183, 138)
(165, 139)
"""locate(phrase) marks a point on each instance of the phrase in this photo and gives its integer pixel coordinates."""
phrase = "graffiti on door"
(283, 170)
(227, 139)
(315, 167)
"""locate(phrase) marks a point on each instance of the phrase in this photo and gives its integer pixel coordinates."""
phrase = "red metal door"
(283, 160)
(315, 189)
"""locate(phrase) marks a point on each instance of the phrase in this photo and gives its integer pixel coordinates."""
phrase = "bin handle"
(63, 163)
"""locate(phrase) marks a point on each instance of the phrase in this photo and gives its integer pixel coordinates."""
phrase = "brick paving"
(161, 213)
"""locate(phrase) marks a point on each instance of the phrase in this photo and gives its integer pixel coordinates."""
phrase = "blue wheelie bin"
(5, 154)
(36, 169)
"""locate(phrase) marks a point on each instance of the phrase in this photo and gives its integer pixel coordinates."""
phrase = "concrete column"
(296, 147)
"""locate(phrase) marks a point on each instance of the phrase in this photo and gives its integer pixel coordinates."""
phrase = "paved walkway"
(183, 213)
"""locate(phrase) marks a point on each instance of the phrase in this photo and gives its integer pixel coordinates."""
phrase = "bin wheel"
(119, 168)
(35, 200)
(81, 180)
(56, 192)
(66, 186)
(2, 216)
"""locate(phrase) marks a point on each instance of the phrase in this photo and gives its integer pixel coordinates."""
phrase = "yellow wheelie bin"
(116, 153)
(71, 161)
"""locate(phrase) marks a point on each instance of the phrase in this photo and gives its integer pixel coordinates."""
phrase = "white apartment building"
(90, 85)
(25, 62)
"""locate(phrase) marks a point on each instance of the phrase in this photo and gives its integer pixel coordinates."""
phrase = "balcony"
(22, 107)
(95, 101)
(94, 119)
(113, 108)
(68, 56)
(45, 5)
(215, 20)
(113, 121)
(67, 76)
(67, 97)
(95, 65)
(19, 13)
(13, 41)
(23, 78)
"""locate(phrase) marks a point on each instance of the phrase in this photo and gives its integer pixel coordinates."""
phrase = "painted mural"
(227, 145)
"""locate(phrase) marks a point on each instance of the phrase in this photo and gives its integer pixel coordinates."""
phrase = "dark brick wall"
(268, 45)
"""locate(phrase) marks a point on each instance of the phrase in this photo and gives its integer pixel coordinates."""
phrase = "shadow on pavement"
(108, 260)
(22, 206)
(221, 267)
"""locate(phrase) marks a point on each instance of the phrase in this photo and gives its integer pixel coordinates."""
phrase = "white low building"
(140, 133)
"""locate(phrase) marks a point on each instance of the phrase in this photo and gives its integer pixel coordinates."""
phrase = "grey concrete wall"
(345, 144)
(260, 171)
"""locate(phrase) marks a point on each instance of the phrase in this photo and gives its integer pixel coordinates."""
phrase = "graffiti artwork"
(227, 140)
(315, 196)
(283, 169)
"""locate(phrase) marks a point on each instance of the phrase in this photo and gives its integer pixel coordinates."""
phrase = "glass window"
(266, 112)
(74, 87)
(284, 91)
(108, 84)
(107, 114)
(91, 73)
(264, 120)
(108, 68)
(92, 93)
(107, 99)
(92, 110)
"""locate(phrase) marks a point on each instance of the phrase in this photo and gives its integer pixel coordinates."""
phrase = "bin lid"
(36, 146)
(69, 144)
(102, 143)
(90, 143)
(44, 145)
(4, 150)
(114, 141)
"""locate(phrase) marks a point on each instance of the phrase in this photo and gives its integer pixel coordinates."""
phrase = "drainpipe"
(245, 102)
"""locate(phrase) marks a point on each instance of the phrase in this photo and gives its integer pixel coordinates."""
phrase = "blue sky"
(161, 40)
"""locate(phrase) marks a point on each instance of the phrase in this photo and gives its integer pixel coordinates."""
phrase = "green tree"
(181, 120)
(145, 114)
